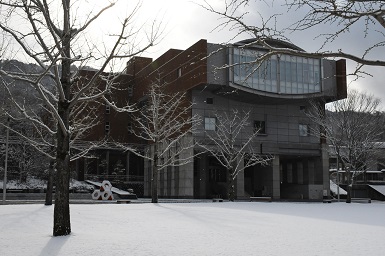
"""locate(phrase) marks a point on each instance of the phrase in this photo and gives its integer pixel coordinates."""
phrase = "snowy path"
(198, 229)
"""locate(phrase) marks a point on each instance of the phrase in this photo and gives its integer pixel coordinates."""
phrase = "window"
(303, 130)
(278, 74)
(210, 123)
(107, 109)
(209, 100)
(260, 127)
(107, 127)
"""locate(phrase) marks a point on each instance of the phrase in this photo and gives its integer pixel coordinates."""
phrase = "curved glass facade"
(279, 74)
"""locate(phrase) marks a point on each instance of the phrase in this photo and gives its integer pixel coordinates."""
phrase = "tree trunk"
(349, 188)
(349, 194)
(62, 225)
(230, 186)
(48, 194)
(154, 181)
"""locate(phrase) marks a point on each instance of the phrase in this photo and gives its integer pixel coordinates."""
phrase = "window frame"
(210, 123)
(303, 132)
(262, 129)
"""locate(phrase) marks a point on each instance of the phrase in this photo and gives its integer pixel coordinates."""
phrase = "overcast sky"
(184, 22)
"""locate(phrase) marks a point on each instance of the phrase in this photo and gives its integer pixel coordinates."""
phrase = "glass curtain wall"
(279, 74)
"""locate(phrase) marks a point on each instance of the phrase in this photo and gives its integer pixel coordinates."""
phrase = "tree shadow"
(54, 245)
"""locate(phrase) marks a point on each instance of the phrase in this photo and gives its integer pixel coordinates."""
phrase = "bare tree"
(233, 146)
(352, 128)
(165, 123)
(46, 33)
(341, 17)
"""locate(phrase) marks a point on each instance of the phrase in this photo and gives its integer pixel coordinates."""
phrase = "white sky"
(185, 22)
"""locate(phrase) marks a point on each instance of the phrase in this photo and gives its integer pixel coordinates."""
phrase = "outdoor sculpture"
(104, 192)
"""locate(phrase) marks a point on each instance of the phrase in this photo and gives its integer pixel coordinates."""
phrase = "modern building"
(276, 92)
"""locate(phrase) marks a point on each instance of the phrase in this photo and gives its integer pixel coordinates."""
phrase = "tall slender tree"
(46, 33)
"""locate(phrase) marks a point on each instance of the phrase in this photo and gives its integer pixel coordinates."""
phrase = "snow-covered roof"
(379, 188)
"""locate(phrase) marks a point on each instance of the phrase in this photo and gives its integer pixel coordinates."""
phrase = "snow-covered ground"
(33, 183)
(240, 228)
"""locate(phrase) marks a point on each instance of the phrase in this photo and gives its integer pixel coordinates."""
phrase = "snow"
(240, 228)
(34, 183)
(379, 188)
(31, 183)
(334, 189)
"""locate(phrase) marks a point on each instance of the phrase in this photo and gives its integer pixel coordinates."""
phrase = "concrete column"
(276, 178)
(128, 166)
(186, 181)
(147, 178)
(176, 181)
(186, 175)
(168, 181)
(300, 172)
(311, 171)
(325, 169)
(85, 168)
(202, 176)
(77, 167)
(240, 183)
(305, 163)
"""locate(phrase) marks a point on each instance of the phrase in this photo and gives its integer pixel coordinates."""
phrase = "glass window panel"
(274, 87)
(311, 73)
(268, 69)
(296, 74)
(243, 67)
(287, 71)
(262, 85)
(303, 130)
(311, 88)
(305, 73)
(300, 88)
(282, 71)
(273, 69)
(299, 70)
(293, 71)
(210, 123)
(288, 89)
(236, 69)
